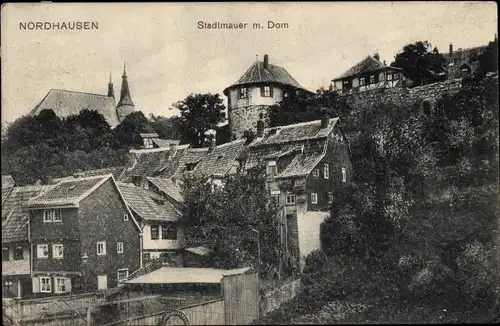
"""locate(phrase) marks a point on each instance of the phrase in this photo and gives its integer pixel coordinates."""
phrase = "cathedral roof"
(125, 98)
(65, 103)
(257, 73)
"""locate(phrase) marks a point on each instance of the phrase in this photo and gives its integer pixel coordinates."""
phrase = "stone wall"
(241, 119)
(273, 299)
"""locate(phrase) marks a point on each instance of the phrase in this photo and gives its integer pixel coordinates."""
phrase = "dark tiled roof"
(301, 165)
(141, 201)
(65, 103)
(168, 187)
(190, 156)
(220, 160)
(276, 151)
(148, 162)
(68, 192)
(114, 170)
(294, 133)
(274, 74)
(14, 220)
(365, 66)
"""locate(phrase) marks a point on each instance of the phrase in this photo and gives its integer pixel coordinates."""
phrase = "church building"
(65, 103)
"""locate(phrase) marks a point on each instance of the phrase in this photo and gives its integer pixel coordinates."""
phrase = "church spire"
(125, 98)
(111, 91)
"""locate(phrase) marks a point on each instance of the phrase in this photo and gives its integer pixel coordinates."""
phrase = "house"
(261, 86)
(463, 62)
(306, 164)
(7, 186)
(16, 251)
(83, 237)
(160, 222)
(65, 103)
(366, 75)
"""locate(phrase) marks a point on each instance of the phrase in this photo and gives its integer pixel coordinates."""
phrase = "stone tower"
(260, 87)
(125, 105)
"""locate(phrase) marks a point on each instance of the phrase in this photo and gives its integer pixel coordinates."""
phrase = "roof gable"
(365, 66)
(68, 193)
(65, 103)
(168, 187)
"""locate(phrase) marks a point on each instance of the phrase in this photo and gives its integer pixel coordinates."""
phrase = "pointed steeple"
(111, 91)
(125, 105)
(125, 98)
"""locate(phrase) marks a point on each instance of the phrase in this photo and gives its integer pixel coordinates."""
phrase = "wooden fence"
(241, 296)
(44, 307)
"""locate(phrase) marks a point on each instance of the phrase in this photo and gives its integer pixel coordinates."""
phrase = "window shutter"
(262, 91)
(68, 284)
(271, 91)
(36, 284)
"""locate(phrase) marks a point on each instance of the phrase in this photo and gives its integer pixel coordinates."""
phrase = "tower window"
(266, 91)
(243, 92)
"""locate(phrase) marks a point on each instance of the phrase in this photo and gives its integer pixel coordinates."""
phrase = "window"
(5, 254)
(57, 215)
(169, 232)
(362, 81)
(125, 217)
(45, 285)
(155, 232)
(344, 175)
(372, 79)
(316, 173)
(330, 197)
(272, 169)
(101, 248)
(60, 285)
(42, 251)
(395, 75)
(290, 199)
(389, 76)
(243, 92)
(326, 171)
(148, 143)
(314, 198)
(346, 84)
(266, 91)
(47, 216)
(122, 274)
(57, 251)
(119, 247)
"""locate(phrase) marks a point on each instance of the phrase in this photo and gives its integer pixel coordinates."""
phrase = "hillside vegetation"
(416, 237)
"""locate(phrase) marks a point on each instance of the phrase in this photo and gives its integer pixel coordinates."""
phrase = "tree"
(199, 113)
(127, 133)
(307, 107)
(224, 218)
(166, 128)
(420, 63)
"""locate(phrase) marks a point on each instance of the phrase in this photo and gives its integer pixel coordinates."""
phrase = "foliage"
(166, 128)
(420, 63)
(488, 60)
(307, 107)
(199, 113)
(223, 218)
(127, 133)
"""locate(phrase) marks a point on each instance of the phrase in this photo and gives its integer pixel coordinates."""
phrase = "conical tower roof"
(125, 98)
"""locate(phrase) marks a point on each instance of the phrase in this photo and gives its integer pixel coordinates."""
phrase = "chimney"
(324, 118)
(260, 125)
(451, 49)
(266, 61)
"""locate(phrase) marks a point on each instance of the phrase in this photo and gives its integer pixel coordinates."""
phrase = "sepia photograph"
(252, 163)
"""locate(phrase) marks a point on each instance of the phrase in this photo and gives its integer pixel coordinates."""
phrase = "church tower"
(125, 105)
(111, 91)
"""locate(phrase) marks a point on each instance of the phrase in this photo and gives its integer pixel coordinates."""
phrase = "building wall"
(102, 219)
(358, 88)
(162, 244)
(308, 224)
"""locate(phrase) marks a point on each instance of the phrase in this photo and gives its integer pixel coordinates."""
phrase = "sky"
(168, 57)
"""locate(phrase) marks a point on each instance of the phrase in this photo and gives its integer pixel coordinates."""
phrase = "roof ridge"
(243, 139)
(101, 176)
(70, 91)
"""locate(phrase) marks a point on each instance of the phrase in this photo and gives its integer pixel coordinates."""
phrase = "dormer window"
(148, 143)
(266, 91)
(272, 169)
(190, 166)
(243, 92)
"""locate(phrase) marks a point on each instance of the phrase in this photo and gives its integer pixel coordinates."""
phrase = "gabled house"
(83, 237)
(306, 164)
(366, 75)
(160, 222)
(16, 252)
